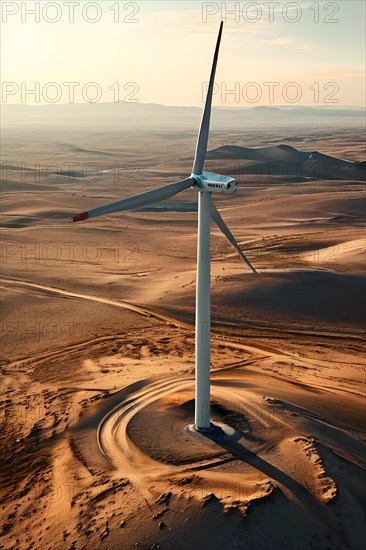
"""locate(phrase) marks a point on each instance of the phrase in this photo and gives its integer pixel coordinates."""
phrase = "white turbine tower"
(205, 183)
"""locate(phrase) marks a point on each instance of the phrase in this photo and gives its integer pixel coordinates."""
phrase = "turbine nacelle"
(214, 183)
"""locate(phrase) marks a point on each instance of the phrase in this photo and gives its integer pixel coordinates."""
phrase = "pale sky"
(165, 55)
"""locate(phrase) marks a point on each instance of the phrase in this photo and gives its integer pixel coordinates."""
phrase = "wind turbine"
(205, 183)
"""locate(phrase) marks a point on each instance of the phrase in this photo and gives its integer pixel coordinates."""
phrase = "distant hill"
(284, 160)
(141, 115)
(281, 152)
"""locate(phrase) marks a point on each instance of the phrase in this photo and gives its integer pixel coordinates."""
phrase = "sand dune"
(278, 153)
(320, 296)
(284, 160)
(85, 152)
(346, 251)
(273, 161)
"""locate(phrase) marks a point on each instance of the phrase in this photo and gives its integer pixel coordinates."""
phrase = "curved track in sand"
(262, 431)
(268, 429)
(150, 312)
(113, 439)
(115, 443)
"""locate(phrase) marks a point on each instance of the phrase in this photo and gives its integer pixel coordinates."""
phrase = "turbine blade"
(144, 199)
(216, 216)
(201, 147)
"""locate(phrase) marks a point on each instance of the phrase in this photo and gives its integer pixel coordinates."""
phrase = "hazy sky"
(161, 52)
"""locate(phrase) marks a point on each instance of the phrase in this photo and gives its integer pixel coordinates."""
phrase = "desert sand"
(98, 344)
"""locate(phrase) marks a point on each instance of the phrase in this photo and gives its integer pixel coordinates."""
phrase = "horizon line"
(271, 106)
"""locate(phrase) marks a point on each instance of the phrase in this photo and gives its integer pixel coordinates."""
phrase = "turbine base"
(216, 432)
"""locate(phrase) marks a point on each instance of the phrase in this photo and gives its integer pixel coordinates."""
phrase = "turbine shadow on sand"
(233, 446)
